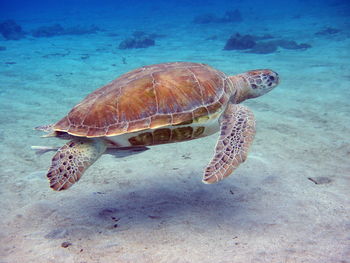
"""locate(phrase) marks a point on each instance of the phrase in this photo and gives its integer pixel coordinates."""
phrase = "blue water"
(158, 12)
(289, 202)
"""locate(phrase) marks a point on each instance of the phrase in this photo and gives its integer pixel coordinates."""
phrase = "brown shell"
(147, 98)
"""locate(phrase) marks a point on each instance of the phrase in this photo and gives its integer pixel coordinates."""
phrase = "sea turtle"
(157, 104)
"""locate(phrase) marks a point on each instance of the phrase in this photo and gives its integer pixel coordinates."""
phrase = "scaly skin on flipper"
(237, 127)
(71, 161)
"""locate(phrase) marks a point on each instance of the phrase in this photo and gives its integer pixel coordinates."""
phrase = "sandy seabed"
(289, 202)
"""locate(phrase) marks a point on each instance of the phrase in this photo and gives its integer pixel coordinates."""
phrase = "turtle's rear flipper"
(71, 161)
(48, 129)
(237, 127)
(45, 128)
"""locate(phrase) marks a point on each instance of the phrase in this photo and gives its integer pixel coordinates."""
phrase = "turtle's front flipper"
(237, 127)
(71, 161)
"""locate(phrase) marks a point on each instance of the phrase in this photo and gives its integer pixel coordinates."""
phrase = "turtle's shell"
(150, 97)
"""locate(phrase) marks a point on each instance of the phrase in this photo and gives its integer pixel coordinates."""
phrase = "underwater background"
(289, 202)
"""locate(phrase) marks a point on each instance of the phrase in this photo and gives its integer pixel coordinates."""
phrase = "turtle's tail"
(40, 150)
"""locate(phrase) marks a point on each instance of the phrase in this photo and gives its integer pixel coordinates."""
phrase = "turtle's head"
(255, 83)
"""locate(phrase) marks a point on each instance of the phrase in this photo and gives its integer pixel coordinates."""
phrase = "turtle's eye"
(272, 79)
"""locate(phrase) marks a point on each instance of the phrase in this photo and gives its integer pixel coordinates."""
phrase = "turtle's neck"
(241, 85)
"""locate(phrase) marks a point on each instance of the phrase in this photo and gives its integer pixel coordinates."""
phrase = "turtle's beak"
(277, 77)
